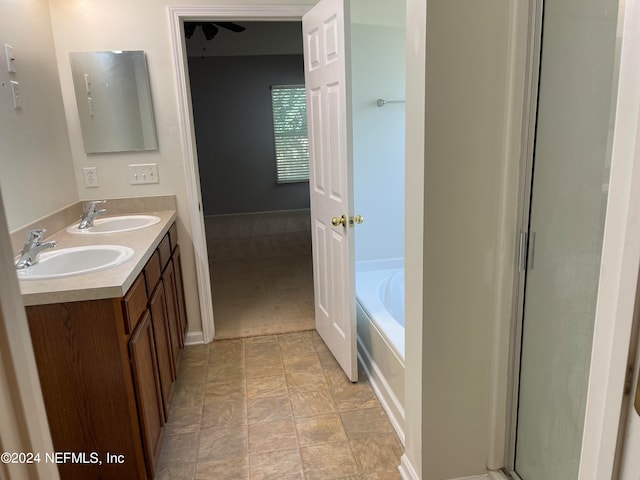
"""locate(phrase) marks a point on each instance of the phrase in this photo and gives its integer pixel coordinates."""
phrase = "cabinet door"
(182, 313)
(162, 343)
(147, 386)
(173, 314)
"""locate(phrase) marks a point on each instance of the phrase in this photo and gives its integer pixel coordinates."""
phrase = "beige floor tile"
(376, 452)
(283, 465)
(272, 436)
(266, 386)
(227, 351)
(264, 366)
(180, 448)
(318, 343)
(183, 419)
(354, 396)
(221, 391)
(268, 409)
(390, 475)
(261, 339)
(308, 403)
(263, 349)
(192, 374)
(222, 443)
(368, 420)
(309, 381)
(195, 353)
(225, 414)
(187, 394)
(328, 461)
(320, 429)
(327, 360)
(302, 363)
(296, 343)
(226, 372)
(178, 471)
(235, 468)
(336, 377)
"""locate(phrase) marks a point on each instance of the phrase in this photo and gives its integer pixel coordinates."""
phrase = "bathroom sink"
(75, 261)
(124, 223)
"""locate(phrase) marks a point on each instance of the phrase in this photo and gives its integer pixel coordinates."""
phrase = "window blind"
(290, 133)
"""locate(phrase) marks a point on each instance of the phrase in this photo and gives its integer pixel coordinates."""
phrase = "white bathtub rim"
(370, 302)
(382, 264)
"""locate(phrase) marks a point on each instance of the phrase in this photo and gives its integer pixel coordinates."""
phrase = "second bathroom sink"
(124, 223)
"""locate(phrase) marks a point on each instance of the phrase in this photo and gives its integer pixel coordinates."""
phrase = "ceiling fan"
(210, 29)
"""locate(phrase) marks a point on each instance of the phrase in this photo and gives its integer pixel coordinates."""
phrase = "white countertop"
(108, 283)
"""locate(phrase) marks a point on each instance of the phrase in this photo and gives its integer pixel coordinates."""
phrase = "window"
(290, 133)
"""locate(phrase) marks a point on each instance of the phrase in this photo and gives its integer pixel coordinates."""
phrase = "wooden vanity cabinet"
(183, 323)
(107, 367)
(146, 379)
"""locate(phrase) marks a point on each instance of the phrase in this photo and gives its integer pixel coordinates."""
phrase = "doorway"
(562, 231)
(256, 216)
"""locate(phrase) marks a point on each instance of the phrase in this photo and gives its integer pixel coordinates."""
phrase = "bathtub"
(380, 314)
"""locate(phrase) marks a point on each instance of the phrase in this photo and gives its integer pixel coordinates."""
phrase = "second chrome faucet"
(90, 213)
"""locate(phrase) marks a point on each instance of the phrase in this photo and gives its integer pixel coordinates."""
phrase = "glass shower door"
(576, 101)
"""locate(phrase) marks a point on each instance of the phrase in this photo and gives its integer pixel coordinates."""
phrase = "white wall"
(453, 300)
(36, 167)
(139, 25)
(378, 71)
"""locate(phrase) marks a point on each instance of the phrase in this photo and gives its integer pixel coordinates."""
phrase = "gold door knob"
(357, 219)
(335, 221)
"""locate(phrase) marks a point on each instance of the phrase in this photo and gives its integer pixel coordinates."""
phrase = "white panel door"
(325, 30)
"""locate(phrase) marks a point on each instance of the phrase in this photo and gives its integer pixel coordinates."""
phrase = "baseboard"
(474, 477)
(194, 338)
(497, 475)
(407, 472)
(383, 391)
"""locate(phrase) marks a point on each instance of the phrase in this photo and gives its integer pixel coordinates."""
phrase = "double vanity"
(107, 318)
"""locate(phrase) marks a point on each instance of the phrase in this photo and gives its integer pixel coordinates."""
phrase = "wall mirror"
(114, 101)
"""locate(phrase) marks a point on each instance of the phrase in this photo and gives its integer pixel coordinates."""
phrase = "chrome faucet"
(90, 213)
(33, 245)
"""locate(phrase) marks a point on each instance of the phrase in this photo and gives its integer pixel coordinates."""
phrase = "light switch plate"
(16, 93)
(10, 58)
(143, 173)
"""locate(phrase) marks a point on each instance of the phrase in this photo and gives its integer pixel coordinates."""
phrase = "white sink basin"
(75, 261)
(124, 223)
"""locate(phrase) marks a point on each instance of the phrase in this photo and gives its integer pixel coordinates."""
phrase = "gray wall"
(234, 132)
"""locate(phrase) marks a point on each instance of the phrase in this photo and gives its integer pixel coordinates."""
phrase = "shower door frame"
(530, 109)
(618, 281)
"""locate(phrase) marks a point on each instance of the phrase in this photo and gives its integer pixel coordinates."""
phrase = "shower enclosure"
(562, 232)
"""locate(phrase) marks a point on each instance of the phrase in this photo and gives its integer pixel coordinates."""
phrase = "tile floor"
(274, 407)
(261, 273)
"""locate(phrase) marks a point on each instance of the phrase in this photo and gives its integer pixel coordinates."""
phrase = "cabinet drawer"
(152, 272)
(164, 249)
(173, 236)
(134, 304)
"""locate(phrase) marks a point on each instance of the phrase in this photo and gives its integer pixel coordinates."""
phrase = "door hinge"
(526, 250)
(522, 251)
(628, 380)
